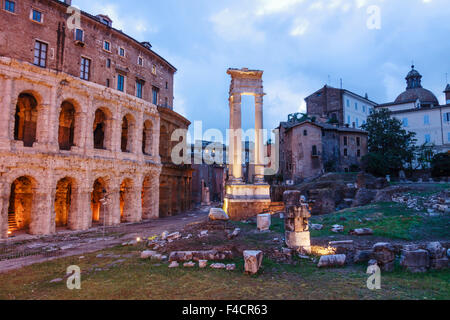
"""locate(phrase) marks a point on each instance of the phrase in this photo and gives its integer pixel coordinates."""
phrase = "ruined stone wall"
(325, 103)
(352, 147)
(44, 164)
(176, 180)
(18, 35)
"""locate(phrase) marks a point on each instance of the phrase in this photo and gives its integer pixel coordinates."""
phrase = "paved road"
(76, 243)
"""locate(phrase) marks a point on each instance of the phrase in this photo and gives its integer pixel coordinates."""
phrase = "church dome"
(415, 91)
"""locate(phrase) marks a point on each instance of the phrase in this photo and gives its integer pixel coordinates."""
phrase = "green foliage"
(440, 165)
(424, 155)
(390, 146)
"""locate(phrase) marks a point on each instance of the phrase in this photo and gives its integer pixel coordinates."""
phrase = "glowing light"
(9, 232)
(138, 239)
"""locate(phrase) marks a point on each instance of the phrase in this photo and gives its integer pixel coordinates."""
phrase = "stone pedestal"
(264, 222)
(296, 222)
(243, 201)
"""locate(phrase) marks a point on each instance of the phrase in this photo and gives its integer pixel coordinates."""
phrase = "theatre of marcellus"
(82, 109)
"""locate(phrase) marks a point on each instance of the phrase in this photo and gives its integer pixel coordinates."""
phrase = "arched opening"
(126, 201)
(63, 202)
(164, 143)
(127, 133)
(99, 201)
(66, 126)
(20, 205)
(99, 129)
(147, 138)
(26, 119)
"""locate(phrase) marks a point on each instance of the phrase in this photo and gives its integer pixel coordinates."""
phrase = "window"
(358, 141)
(166, 102)
(426, 119)
(447, 117)
(448, 136)
(314, 150)
(364, 109)
(139, 86)
(107, 46)
(348, 120)
(140, 61)
(122, 52)
(108, 63)
(305, 133)
(154, 69)
(108, 83)
(167, 87)
(40, 54)
(345, 141)
(348, 103)
(85, 68)
(358, 153)
(120, 82)
(356, 106)
(357, 122)
(36, 15)
(79, 35)
(155, 92)
(405, 122)
(345, 152)
(10, 6)
(427, 138)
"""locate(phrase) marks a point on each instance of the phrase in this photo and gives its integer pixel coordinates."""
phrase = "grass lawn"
(138, 279)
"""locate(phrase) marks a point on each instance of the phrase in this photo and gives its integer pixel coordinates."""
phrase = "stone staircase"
(12, 225)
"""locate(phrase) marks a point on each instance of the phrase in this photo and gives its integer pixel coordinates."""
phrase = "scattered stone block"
(384, 254)
(202, 264)
(362, 256)
(148, 254)
(231, 267)
(164, 235)
(253, 260)
(299, 240)
(337, 228)
(362, 232)
(439, 264)
(57, 280)
(189, 264)
(174, 264)
(264, 222)
(436, 250)
(203, 234)
(234, 234)
(415, 261)
(174, 236)
(317, 226)
(330, 261)
(218, 266)
(217, 214)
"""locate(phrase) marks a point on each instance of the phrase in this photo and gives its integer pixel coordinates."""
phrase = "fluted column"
(259, 144)
(235, 156)
(4, 205)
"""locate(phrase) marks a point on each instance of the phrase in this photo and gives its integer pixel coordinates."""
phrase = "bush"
(355, 168)
(440, 165)
(375, 164)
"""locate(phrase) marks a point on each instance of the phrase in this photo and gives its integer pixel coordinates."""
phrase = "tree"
(440, 166)
(390, 146)
(424, 156)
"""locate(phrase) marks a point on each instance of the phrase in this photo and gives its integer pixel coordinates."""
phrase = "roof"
(343, 91)
(447, 89)
(121, 33)
(414, 94)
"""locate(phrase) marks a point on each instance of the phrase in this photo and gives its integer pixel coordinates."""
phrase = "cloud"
(236, 25)
(267, 7)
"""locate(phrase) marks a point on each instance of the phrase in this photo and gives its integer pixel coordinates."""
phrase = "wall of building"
(20, 33)
(356, 110)
(129, 179)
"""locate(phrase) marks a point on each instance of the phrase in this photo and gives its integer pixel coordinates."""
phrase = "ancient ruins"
(245, 199)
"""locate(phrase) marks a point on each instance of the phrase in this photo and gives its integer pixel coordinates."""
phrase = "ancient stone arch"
(66, 130)
(66, 203)
(128, 129)
(102, 129)
(25, 119)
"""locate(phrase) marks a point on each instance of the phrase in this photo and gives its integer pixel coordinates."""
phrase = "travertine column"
(132, 208)
(42, 214)
(53, 121)
(235, 138)
(81, 211)
(6, 116)
(138, 134)
(81, 129)
(89, 125)
(259, 144)
(4, 205)
(112, 208)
